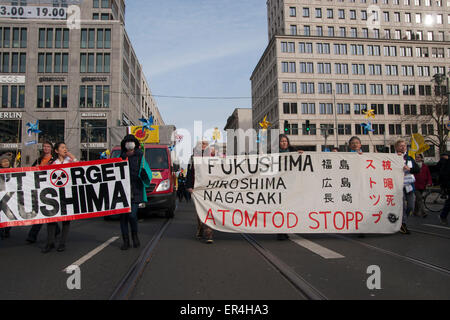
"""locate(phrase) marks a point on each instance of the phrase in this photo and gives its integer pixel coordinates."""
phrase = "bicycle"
(434, 199)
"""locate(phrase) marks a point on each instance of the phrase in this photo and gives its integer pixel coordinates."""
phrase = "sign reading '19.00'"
(32, 12)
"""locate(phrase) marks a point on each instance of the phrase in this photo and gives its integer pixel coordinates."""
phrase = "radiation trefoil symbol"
(59, 178)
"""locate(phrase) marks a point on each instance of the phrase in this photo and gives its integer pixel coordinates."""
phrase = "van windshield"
(156, 158)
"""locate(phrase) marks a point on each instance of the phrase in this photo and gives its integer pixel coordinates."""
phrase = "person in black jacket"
(181, 192)
(444, 178)
(410, 168)
(130, 151)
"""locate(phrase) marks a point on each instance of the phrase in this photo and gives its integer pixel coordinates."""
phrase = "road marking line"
(435, 226)
(92, 253)
(316, 248)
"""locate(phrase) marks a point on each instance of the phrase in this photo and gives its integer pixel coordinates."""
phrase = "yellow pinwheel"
(370, 113)
(216, 134)
(265, 124)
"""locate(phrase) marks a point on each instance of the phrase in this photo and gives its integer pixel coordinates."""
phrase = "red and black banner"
(64, 192)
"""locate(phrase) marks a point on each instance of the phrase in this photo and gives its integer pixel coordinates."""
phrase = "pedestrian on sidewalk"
(140, 177)
(444, 178)
(60, 156)
(44, 159)
(423, 180)
(5, 163)
(410, 168)
(201, 150)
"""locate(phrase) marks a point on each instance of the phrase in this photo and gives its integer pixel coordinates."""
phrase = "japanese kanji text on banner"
(64, 192)
(301, 193)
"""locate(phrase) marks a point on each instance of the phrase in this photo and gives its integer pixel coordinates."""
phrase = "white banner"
(33, 12)
(308, 193)
(64, 192)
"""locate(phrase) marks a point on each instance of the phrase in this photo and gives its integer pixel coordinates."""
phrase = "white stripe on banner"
(79, 262)
(316, 248)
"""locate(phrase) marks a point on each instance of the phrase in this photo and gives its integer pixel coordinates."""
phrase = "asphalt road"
(180, 267)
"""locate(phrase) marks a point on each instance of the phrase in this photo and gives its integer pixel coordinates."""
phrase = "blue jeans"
(129, 218)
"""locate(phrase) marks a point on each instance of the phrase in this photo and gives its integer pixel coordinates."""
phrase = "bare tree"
(433, 110)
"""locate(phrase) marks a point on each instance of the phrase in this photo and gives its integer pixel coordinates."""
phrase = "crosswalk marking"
(92, 253)
(316, 248)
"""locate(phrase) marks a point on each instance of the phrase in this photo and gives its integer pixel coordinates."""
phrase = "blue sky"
(198, 48)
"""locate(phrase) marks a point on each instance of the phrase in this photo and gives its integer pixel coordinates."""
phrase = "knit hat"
(5, 156)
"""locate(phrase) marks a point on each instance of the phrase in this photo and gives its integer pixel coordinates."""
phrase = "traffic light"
(308, 126)
(286, 127)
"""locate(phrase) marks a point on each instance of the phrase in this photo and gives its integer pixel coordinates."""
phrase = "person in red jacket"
(423, 180)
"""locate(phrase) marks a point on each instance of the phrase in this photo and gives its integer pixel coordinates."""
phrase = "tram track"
(429, 233)
(442, 270)
(307, 290)
(126, 286)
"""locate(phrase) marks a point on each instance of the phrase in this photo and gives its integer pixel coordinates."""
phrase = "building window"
(290, 108)
(306, 12)
(94, 131)
(13, 96)
(102, 96)
(52, 130)
(106, 4)
(289, 87)
(305, 47)
(342, 88)
(326, 108)
(292, 11)
(394, 109)
(308, 108)
(11, 131)
(343, 108)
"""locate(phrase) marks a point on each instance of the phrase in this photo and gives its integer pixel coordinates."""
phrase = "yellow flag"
(147, 136)
(418, 145)
(17, 162)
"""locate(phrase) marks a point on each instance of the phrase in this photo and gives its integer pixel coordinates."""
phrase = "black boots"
(126, 242)
(48, 248)
(136, 242)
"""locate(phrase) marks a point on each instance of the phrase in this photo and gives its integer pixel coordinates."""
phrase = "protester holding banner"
(410, 168)
(285, 146)
(140, 177)
(355, 145)
(5, 163)
(423, 180)
(201, 150)
(60, 156)
(44, 159)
